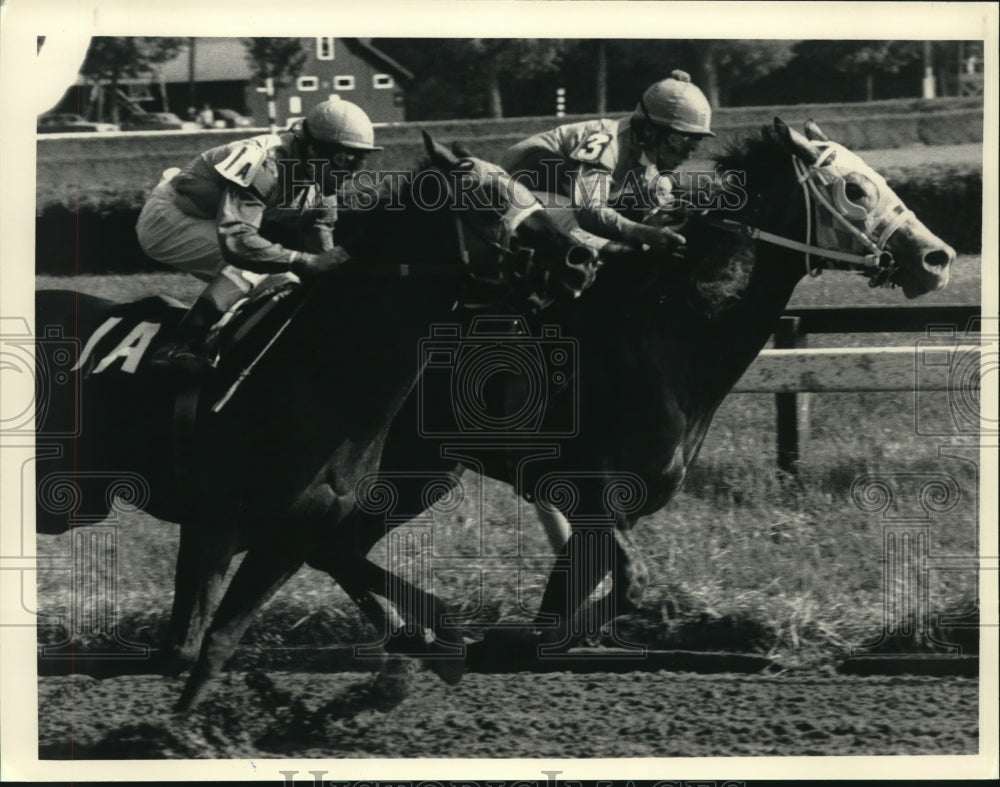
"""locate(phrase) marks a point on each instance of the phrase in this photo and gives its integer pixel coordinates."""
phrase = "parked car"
(62, 122)
(231, 119)
(152, 121)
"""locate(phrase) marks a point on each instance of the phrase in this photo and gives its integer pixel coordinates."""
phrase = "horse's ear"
(460, 150)
(439, 154)
(794, 142)
(814, 133)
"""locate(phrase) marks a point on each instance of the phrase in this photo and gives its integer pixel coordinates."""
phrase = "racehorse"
(661, 344)
(273, 457)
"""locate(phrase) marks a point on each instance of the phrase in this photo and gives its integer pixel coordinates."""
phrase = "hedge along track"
(93, 231)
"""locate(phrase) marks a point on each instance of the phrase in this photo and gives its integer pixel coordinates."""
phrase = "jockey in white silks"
(205, 219)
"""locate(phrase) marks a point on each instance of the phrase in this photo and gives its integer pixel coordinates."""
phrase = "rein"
(878, 263)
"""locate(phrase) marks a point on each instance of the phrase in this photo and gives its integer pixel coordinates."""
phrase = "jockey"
(599, 163)
(205, 219)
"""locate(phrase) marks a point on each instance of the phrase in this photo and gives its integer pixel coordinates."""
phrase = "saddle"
(264, 309)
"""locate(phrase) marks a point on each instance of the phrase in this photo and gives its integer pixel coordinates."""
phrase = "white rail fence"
(949, 355)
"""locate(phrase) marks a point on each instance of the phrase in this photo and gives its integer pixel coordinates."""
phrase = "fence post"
(272, 107)
(792, 409)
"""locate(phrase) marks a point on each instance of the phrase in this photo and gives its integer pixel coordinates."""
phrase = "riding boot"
(187, 353)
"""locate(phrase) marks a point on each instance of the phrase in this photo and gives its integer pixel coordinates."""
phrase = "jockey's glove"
(307, 265)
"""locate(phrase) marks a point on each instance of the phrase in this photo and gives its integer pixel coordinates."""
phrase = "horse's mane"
(722, 262)
(363, 221)
(760, 156)
(718, 265)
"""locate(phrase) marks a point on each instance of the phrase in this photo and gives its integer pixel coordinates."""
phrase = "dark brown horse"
(660, 346)
(277, 467)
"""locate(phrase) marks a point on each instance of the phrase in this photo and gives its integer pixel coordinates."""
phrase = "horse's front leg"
(629, 573)
(203, 558)
(598, 542)
(629, 577)
(585, 560)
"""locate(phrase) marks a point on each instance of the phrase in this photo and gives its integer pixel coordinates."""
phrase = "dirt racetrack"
(557, 715)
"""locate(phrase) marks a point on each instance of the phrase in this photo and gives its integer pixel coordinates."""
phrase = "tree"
(601, 77)
(278, 59)
(111, 59)
(722, 65)
(627, 68)
(867, 59)
(467, 77)
(444, 81)
(512, 59)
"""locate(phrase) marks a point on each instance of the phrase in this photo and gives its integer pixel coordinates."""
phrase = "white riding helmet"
(339, 122)
(676, 104)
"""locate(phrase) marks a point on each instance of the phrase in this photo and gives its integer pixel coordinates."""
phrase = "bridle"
(510, 263)
(878, 264)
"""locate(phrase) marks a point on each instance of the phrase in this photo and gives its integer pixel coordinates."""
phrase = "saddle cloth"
(121, 345)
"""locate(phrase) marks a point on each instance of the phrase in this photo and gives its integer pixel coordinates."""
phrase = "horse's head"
(855, 214)
(509, 236)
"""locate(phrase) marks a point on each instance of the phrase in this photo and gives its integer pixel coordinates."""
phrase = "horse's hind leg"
(263, 571)
(418, 631)
(203, 559)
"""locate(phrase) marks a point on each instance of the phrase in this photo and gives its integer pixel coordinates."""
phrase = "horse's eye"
(854, 192)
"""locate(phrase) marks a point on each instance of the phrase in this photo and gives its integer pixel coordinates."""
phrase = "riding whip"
(250, 367)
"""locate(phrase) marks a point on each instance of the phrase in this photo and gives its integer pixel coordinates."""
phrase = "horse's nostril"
(939, 258)
(580, 255)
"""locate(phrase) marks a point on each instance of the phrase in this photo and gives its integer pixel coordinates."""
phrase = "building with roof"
(348, 68)
(216, 71)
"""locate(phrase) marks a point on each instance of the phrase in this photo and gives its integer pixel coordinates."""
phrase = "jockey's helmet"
(676, 104)
(340, 123)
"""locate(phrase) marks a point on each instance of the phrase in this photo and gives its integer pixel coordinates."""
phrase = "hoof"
(449, 668)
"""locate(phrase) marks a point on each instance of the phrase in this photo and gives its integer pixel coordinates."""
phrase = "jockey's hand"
(658, 239)
(567, 282)
(309, 265)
